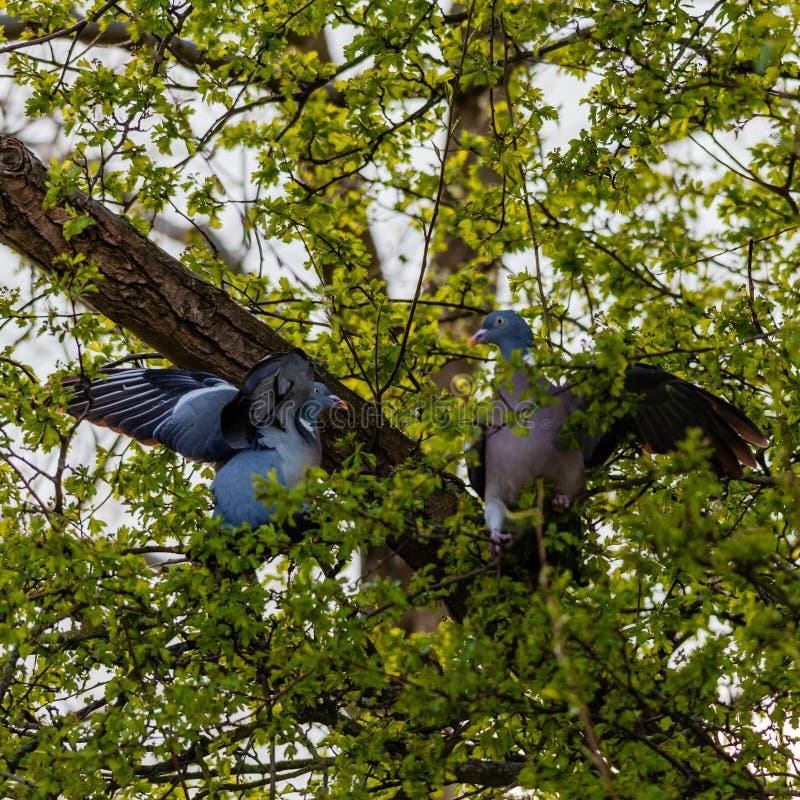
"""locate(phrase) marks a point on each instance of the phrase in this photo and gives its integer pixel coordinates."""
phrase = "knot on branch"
(13, 155)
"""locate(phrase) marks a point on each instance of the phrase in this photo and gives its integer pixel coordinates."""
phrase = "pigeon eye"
(500, 320)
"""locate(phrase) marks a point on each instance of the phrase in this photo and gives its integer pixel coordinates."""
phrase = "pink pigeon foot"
(497, 542)
(560, 500)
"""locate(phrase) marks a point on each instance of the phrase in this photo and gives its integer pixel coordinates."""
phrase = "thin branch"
(87, 30)
(431, 226)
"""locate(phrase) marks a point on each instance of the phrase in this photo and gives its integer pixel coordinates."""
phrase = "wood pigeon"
(658, 409)
(269, 424)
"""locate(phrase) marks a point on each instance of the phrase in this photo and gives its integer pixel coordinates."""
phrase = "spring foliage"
(359, 174)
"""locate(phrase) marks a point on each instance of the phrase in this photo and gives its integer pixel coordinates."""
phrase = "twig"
(751, 291)
(78, 27)
(561, 652)
(434, 215)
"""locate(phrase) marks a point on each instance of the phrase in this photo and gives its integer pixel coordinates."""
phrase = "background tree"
(230, 179)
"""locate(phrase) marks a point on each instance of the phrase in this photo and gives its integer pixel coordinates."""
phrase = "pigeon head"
(321, 399)
(507, 329)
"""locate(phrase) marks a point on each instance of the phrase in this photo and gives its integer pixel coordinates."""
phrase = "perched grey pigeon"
(658, 411)
(268, 424)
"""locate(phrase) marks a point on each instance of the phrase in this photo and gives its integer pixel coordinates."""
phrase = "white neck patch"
(307, 425)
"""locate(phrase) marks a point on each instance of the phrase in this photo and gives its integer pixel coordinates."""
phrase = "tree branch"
(114, 34)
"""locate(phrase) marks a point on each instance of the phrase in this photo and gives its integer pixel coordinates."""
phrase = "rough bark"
(190, 321)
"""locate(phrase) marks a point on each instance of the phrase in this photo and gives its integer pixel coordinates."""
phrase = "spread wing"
(662, 409)
(177, 408)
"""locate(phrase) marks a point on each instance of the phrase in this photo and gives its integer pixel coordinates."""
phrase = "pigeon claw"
(497, 542)
(560, 500)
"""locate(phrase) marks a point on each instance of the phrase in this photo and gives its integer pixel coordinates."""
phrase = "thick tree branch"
(190, 321)
(113, 34)
(118, 34)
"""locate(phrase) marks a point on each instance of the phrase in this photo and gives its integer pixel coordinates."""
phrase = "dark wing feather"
(272, 393)
(476, 462)
(178, 408)
(660, 410)
(735, 419)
